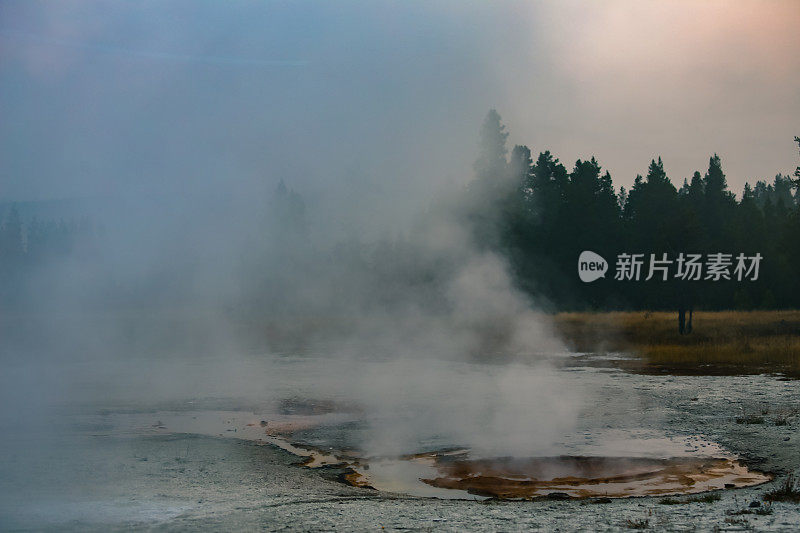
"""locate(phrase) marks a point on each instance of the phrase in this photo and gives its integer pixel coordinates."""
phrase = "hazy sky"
(112, 98)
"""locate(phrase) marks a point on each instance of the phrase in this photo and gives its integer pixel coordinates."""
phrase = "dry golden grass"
(741, 341)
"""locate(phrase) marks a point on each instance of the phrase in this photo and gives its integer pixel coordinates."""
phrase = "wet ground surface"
(197, 464)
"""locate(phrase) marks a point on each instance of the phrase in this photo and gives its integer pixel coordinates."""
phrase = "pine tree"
(11, 245)
(491, 162)
(718, 205)
(796, 181)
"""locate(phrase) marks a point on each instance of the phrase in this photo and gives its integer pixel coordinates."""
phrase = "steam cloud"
(198, 279)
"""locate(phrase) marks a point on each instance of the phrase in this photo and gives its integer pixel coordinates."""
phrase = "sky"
(108, 99)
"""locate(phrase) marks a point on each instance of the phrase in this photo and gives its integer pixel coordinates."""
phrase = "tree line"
(543, 215)
(537, 213)
(28, 247)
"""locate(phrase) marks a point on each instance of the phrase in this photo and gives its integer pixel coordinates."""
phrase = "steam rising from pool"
(663, 465)
(227, 244)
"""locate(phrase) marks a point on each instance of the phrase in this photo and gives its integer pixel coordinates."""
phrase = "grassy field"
(721, 341)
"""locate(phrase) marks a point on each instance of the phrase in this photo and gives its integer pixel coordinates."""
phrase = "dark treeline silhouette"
(26, 248)
(546, 214)
(536, 212)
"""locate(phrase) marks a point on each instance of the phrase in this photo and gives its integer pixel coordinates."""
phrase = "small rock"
(755, 503)
(785, 438)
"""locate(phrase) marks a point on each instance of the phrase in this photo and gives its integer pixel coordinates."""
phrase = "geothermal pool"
(290, 450)
(660, 465)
